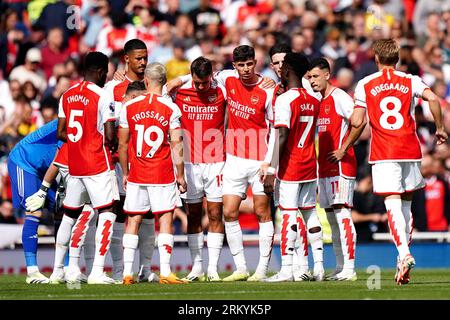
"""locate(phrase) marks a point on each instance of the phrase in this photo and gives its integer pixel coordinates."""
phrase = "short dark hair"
(320, 63)
(95, 60)
(298, 62)
(201, 67)
(243, 53)
(134, 44)
(135, 86)
(279, 48)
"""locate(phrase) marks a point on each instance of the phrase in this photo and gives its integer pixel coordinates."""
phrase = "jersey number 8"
(391, 113)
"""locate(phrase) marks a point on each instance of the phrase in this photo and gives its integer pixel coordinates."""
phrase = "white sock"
(288, 237)
(397, 225)
(32, 269)
(347, 236)
(165, 247)
(302, 250)
(236, 243)
(89, 244)
(266, 231)
(63, 240)
(116, 249)
(78, 237)
(102, 240)
(130, 244)
(146, 244)
(336, 238)
(407, 214)
(195, 243)
(214, 242)
(316, 238)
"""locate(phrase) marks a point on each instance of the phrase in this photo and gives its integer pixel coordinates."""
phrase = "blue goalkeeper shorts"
(24, 184)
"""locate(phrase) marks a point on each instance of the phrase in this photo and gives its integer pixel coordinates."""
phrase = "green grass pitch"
(433, 284)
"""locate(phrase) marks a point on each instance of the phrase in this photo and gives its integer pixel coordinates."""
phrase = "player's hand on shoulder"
(267, 83)
(173, 85)
(119, 75)
(182, 185)
(441, 136)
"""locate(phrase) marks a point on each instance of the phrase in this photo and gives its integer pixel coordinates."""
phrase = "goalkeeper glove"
(37, 200)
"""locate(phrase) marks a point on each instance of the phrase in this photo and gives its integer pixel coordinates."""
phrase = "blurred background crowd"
(43, 41)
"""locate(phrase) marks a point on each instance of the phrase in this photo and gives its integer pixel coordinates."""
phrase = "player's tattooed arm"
(62, 132)
(355, 132)
(176, 145)
(110, 136)
(435, 109)
(124, 138)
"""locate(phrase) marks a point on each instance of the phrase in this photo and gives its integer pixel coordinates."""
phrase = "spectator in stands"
(178, 65)
(164, 51)
(54, 52)
(368, 213)
(30, 70)
(431, 205)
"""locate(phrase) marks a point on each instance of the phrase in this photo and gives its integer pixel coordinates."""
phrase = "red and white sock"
(146, 244)
(79, 232)
(165, 247)
(130, 244)
(288, 237)
(89, 243)
(214, 241)
(315, 238)
(302, 250)
(336, 238)
(407, 214)
(347, 236)
(103, 240)
(195, 243)
(236, 244)
(63, 240)
(397, 226)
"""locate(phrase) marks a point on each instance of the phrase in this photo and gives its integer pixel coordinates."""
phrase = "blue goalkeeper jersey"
(35, 153)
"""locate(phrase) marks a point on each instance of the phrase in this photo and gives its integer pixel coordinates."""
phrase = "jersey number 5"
(73, 123)
(309, 122)
(145, 136)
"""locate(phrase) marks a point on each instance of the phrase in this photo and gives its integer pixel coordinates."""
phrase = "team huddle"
(135, 147)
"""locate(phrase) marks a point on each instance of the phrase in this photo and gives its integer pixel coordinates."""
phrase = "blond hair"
(157, 72)
(387, 51)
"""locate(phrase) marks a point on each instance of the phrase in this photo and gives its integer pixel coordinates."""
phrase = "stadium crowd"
(43, 41)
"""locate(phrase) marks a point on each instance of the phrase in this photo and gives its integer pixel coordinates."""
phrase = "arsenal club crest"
(254, 99)
(212, 98)
(327, 109)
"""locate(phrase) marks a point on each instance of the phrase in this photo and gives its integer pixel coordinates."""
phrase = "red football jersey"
(203, 120)
(62, 159)
(297, 110)
(87, 108)
(389, 97)
(333, 128)
(249, 114)
(149, 118)
(118, 89)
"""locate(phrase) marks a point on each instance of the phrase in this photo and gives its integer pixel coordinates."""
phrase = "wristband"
(45, 186)
(271, 170)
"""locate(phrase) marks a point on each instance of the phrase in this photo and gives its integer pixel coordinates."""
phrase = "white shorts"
(100, 190)
(294, 196)
(203, 179)
(238, 173)
(140, 199)
(119, 175)
(336, 190)
(396, 177)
